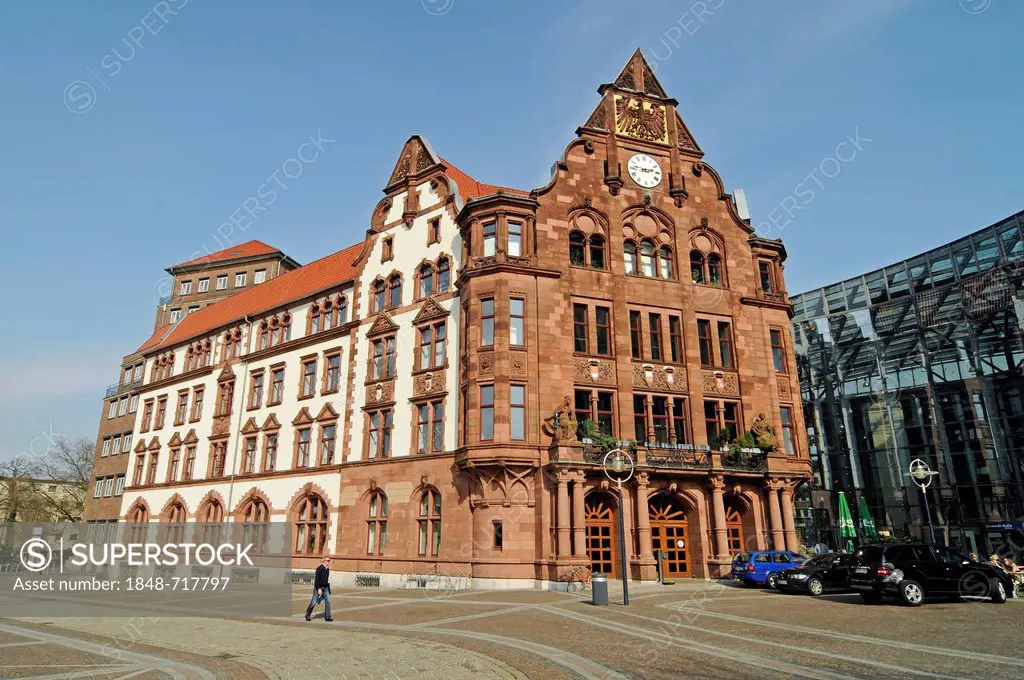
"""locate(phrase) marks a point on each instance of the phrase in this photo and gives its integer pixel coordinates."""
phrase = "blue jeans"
(317, 599)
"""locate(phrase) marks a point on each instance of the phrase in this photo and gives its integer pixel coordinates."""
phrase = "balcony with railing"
(165, 300)
(121, 388)
(682, 456)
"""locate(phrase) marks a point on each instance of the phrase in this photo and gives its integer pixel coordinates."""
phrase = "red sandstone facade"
(627, 291)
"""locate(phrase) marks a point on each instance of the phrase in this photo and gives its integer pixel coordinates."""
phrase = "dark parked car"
(816, 576)
(914, 571)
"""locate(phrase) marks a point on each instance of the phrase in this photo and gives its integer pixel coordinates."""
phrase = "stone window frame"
(376, 522)
(433, 445)
(389, 348)
(488, 406)
(148, 409)
(328, 354)
(433, 231)
(659, 254)
(387, 249)
(435, 269)
(592, 305)
(308, 376)
(791, 427)
(521, 297)
(428, 522)
(432, 325)
(644, 335)
(181, 408)
(714, 322)
(161, 412)
(670, 417)
(303, 517)
(592, 411)
(257, 383)
(781, 348)
(327, 418)
(720, 421)
(268, 432)
(173, 464)
(385, 436)
(272, 371)
(196, 412)
(249, 454)
(588, 245)
(218, 454)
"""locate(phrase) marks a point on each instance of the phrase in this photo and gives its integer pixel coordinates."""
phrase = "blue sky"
(104, 187)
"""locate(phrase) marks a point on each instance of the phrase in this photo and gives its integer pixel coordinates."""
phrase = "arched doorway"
(738, 526)
(669, 533)
(599, 519)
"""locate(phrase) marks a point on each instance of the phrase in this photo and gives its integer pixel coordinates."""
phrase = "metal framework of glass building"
(920, 360)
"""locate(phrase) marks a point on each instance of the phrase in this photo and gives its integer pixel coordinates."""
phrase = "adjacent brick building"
(438, 398)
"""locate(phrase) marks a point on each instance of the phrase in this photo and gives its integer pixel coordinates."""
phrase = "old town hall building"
(438, 397)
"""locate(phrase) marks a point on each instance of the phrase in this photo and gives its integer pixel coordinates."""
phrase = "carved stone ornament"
(381, 393)
(763, 430)
(784, 389)
(594, 370)
(427, 384)
(719, 382)
(517, 366)
(562, 424)
(640, 119)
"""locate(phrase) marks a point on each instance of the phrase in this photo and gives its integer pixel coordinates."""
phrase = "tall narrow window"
(430, 523)
(704, 340)
(597, 251)
(440, 338)
(327, 442)
(679, 421)
(487, 412)
(603, 330)
(423, 428)
(314, 319)
(490, 236)
(665, 262)
(516, 322)
(640, 418)
(675, 339)
(697, 266)
(190, 464)
(636, 335)
(270, 453)
(788, 441)
(444, 275)
(579, 328)
(515, 239)
(715, 269)
(437, 416)
(426, 280)
(654, 322)
(395, 292)
(434, 231)
(647, 258)
(379, 296)
(765, 271)
(605, 413)
(378, 360)
(487, 322)
(332, 379)
(725, 345)
(711, 421)
(181, 411)
(256, 391)
(197, 403)
(377, 524)
(174, 465)
(577, 249)
(249, 456)
(660, 419)
(629, 255)
(276, 386)
(731, 418)
(778, 354)
(308, 378)
(388, 249)
(426, 347)
(342, 308)
(581, 401)
(517, 415)
(389, 359)
(302, 447)
(311, 519)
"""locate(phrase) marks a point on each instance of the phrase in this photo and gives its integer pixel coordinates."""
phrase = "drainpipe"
(238, 423)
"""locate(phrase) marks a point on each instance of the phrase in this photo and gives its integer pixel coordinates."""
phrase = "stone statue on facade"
(764, 431)
(562, 424)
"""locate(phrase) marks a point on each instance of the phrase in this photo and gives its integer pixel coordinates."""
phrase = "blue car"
(763, 566)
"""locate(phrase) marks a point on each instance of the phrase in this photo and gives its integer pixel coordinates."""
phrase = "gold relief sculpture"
(640, 120)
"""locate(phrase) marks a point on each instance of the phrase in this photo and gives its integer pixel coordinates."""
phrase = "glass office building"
(920, 360)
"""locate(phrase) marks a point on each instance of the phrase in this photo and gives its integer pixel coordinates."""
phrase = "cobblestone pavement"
(692, 629)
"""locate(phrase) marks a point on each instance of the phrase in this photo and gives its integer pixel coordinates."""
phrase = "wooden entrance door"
(669, 534)
(734, 529)
(599, 519)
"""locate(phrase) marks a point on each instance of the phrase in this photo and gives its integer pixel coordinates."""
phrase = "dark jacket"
(322, 579)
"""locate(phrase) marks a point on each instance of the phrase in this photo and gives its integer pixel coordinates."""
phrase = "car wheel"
(871, 598)
(998, 590)
(815, 587)
(770, 581)
(911, 592)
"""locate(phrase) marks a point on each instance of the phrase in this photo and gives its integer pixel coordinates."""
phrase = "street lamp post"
(922, 475)
(618, 467)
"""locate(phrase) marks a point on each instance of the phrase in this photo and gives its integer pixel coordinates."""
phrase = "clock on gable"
(644, 170)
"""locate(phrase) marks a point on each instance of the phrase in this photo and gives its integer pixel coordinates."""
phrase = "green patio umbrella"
(867, 525)
(847, 529)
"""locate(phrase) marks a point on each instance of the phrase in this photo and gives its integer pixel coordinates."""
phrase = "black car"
(816, 576)
(912, 572)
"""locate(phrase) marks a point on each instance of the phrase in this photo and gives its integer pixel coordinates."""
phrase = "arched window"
(314, 318)
(254, 516)
(444, 275)
(426, 280)
(377, 524)
(697, 266)
(264, 335)
(311, 516)
(394, 292)
(577, 249)
(430, 522)
(286, 328)
(139, 516)
(597, 251)
(647, 258)
(715, 277)
(630, 257)
(379, 296)
(328, 314)
(211, 514)
(175, 515)
(342, 309)
(665, 262)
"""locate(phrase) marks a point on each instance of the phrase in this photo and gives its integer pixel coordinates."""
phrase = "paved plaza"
(692, 629)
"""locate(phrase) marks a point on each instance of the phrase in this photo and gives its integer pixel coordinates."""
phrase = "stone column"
(718, 508)
(649, 407)
(788, 523)
(775, 515)
(643, 519)
(562, 514)
(579, 517)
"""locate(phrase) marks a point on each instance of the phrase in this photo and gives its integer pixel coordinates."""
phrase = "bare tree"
(19, 501)
(68, 464)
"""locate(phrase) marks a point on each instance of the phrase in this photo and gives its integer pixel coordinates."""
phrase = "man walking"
(321, 589)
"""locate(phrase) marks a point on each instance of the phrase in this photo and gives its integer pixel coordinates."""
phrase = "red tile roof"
(469, 188)
(247, 249)
(154, 339)
(293, 285)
